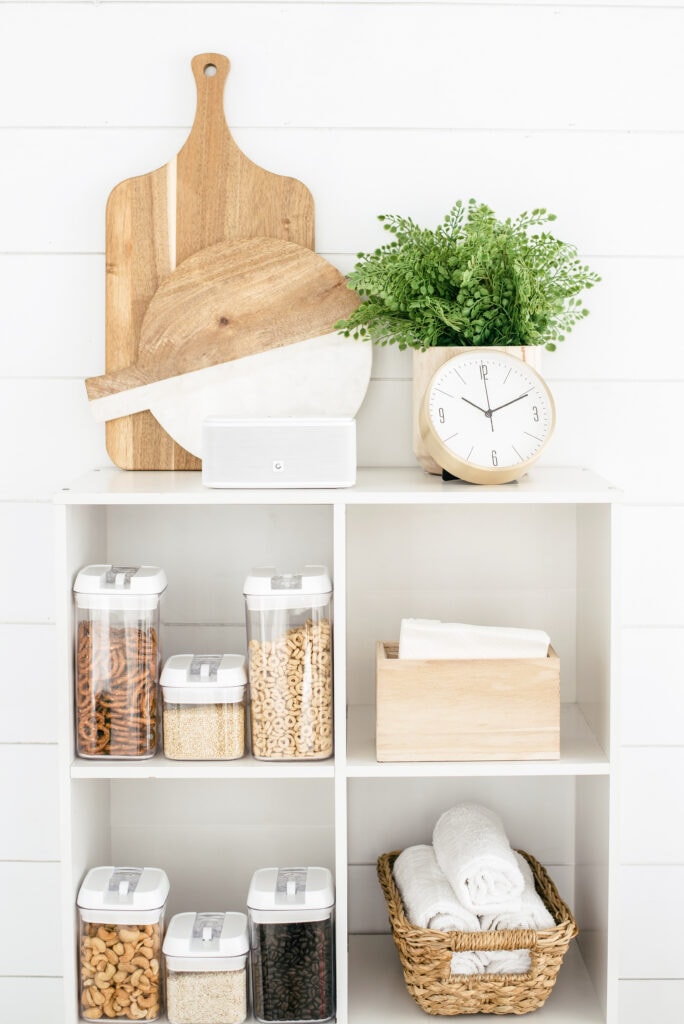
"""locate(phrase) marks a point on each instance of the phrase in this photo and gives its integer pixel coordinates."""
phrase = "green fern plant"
(473, 280)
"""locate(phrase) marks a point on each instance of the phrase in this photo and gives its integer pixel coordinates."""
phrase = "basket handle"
(517, 938)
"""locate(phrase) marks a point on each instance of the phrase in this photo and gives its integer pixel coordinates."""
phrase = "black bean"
(293, 971)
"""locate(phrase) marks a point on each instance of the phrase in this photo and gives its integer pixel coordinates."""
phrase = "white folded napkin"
(532, 913)
(431, 638)
(428, 899)
(473, 851)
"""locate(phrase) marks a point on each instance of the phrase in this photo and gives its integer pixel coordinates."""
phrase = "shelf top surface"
(378, 993)
(402, 485)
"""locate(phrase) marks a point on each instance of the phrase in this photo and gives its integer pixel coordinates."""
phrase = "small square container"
(121, 922)
(289, 635)
(292, 941)
(117, 660)
(205, 957)
(203, 700)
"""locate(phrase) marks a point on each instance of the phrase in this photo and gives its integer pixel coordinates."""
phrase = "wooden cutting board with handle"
(209, 193)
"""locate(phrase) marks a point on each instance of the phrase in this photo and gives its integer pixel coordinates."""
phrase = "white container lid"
(123, 894)
(269, 588)
(291, 894)
(204, 679)
(206, 941)
(119, 586)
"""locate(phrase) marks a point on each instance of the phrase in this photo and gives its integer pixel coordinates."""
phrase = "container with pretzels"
(117, 660)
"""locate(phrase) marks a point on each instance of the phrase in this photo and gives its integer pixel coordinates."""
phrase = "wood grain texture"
(231, 300)
(210, 192)
(469, 710)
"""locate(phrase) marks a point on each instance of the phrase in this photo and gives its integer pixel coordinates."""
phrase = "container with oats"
(205, 956)
(289, 639)
(117, 660)
(203, 700)
(121, 922)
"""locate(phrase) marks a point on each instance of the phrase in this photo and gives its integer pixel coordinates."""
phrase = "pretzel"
(116, 690)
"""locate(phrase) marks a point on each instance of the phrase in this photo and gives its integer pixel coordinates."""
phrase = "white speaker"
(273, 452)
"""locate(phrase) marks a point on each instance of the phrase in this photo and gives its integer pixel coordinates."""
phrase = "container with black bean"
(291, 913)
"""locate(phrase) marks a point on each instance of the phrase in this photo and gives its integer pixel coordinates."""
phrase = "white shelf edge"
(160, 767)
(401, 485)
(378, 993)
(581, 754)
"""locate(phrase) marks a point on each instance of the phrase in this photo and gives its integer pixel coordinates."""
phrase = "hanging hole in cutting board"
(210, 70)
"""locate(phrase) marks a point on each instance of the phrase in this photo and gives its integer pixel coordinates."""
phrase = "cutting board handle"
(210, 71)
(198, 190)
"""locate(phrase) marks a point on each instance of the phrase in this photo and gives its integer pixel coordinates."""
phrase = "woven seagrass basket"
(426, 955)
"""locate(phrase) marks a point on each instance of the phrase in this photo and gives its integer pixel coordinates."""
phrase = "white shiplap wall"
(376, 106)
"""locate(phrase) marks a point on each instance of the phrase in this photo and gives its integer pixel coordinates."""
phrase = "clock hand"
(475, 406)
(489, 407)
(503, 406)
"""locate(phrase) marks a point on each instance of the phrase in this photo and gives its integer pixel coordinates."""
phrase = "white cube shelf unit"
(400, 543)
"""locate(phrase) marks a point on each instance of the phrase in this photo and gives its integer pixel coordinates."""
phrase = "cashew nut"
(120, 972)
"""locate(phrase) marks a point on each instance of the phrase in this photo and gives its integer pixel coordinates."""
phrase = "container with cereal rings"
(121, 924)
(290, 664)
(117, 660)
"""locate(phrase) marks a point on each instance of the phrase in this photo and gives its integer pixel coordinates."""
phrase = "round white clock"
(486, 416)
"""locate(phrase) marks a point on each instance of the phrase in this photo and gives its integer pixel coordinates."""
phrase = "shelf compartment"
(209, 835)
(581, 753)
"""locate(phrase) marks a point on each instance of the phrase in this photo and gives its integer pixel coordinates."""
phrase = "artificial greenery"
(473, 280)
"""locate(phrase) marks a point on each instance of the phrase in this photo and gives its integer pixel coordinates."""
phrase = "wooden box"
(471, 710)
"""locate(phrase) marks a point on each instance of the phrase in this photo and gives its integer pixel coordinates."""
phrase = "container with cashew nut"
(289, 640)
(121, 923)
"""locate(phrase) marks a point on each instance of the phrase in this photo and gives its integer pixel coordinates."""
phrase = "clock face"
(487, 416)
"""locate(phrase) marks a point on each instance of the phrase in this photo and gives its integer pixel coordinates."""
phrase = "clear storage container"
(203, 700)
(121, 922)
(292, 940)
(117, 660)
(289, 633)
(205, 957)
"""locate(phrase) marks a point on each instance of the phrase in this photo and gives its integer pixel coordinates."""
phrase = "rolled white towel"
(470, 961)
(473, 851)
(532, 913)
(429, 900)
(491, 961)
(508, 961)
